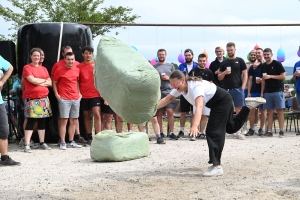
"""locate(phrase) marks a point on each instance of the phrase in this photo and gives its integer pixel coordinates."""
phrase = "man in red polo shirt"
(90, 96)
(66, 90)
(61, 63)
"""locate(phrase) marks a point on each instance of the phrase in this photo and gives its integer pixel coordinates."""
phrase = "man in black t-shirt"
(205, 74)
(215, 65)
(232, 70)
(272, 88)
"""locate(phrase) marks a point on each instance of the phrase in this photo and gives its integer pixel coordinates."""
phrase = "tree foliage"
(34, 11)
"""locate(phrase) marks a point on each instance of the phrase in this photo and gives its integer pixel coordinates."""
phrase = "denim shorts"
(275, 100)
(238, 97)
(256, 94)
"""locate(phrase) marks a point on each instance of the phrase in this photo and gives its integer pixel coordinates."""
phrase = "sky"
(176, 39)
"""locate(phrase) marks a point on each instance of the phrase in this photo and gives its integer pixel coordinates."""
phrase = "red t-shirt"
(87, 81)
(67, 82)
(34, 91)
(61, 63)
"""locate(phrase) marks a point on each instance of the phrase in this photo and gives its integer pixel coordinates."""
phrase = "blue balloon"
(156, 59)
(281, 53)
(134, 48)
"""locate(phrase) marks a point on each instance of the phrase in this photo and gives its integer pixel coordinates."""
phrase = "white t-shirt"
(189, 67)
(196, 89)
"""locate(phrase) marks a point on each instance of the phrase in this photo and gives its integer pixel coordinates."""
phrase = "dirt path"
(255, 168)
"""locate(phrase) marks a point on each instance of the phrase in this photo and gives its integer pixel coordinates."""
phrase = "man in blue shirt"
(6, 67)
(296, 77)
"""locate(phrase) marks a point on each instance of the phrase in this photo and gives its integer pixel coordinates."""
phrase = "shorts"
(105, 108)
(87, 104)
(256, 94)
(205, 110)
(245, 93)
(4, 131)
(238, 97)
(69, 108)
(275, 100)
(185, 106)
(171, 105)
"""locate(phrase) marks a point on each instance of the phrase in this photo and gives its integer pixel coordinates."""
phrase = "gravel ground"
(255, 168)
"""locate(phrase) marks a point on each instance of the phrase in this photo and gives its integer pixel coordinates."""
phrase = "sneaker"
(260, 132)
(162, 135)
(281, 134)
(229, 136)
(74, 145)
(192, 138)
(80, 140)
(250, 132)
(89, 140)
(160, 140)
(201, 136)
(45, 146)
(63, 146)
(9, 162)
(173, 136)
(180, 134)
(269, 134)
(239, 135)
(254, 102)
(27, 149)
(214, 171)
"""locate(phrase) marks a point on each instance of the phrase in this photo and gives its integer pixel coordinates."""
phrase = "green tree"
(34, 11)
(175, 65)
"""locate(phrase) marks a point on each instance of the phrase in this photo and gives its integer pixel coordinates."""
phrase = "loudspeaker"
(8, 52)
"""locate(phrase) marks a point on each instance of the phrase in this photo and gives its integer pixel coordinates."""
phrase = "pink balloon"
(153, 61)
(207, 64)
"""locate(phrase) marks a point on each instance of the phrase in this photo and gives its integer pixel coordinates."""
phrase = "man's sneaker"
(180, 134)
(63, 146)
(192, 138)
(162, 135)
(80, 140)
(45, 146)
(89, 139)
(254, 102)
(201, 136)
(74, 145)
(260, 132)
(160, 140)
(281, 134)
(250, 132)
(27, 149)
(173, 136)
(269, 134)
(214, 171)
(9, 162)
(239, 135)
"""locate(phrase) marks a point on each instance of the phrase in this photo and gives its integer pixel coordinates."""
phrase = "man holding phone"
(165, 69)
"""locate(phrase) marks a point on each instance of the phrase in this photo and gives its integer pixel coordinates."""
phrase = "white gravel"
(255, 168)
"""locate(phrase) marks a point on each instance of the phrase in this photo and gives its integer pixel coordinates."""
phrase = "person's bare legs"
(3, 147)
(73, 122)
(159, 115)
(270, 114)
(262, 118)
(280, 118)
(41, 134)
(108, 121)
(129, 127)
(62, 129)
(87, 121)
(96, 110)
(203, 123)
(118, 123)
(170, 119)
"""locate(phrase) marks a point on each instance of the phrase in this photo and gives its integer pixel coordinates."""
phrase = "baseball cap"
(189, 50)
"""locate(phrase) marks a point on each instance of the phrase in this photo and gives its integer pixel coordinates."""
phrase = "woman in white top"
(199, 92)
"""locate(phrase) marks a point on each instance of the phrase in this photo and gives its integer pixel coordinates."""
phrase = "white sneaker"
(254, 102)
(74, 145)
(63, 146)
(239, 135)
(229, 136)
(214, 171)
(192, 138)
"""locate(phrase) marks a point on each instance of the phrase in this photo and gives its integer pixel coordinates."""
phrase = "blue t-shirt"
(15, 86)
(255, 72)
(4, 66)
(297, 78)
